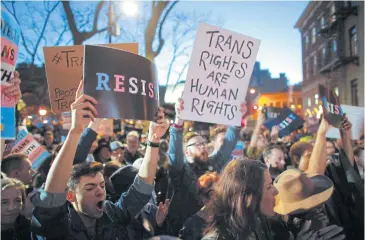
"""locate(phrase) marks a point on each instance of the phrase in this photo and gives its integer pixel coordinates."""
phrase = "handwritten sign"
(26, 144)
(331, 106)
(287, 121)
(64, 68)
(356, 117)
(124, 84)
(219, 72)
(10, 35)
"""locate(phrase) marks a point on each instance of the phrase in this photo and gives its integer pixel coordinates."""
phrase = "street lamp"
(130, 8)
(252, 91)
(42, 112)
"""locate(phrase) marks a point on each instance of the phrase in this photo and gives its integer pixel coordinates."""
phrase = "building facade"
(332, 34)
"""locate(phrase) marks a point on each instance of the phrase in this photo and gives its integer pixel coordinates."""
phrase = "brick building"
(332, 34)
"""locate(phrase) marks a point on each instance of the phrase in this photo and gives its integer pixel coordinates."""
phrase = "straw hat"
(300, 192)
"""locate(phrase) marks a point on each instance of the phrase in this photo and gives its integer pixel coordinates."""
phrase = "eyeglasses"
(198, 144)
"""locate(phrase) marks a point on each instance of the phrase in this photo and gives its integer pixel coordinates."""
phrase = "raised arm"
(140, 192)
(176, 153)
(86, 140)
(222, 156)
(345, 131)
(318, 159)
(61, 168)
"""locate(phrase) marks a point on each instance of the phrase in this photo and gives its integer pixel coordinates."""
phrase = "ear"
(187, 152)
(14, 174)
(71, 196)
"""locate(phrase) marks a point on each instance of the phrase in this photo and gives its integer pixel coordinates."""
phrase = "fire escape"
(329, 32)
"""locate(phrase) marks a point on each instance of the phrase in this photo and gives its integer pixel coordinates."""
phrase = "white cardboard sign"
(356, 117)
(219, 72)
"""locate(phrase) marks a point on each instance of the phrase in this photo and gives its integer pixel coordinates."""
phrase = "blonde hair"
(133, 134)
(14, 183)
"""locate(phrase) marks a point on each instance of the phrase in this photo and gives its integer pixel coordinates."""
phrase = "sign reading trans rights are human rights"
(220, 69)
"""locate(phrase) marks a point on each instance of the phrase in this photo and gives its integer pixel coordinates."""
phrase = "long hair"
(238, 193)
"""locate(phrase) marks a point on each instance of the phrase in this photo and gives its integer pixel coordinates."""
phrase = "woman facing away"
(244, 194)
(13, 225)
(244, 201)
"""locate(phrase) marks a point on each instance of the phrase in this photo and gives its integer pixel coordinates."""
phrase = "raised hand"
(346, 125)
(323, 127)
(14, 89)
(327, 233)
(159, 127)
(275, 132)
(162, 211)
(82, 110)
(179, 106)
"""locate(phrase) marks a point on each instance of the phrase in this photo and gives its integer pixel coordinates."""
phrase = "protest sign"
(356, 117)
(331, 106)
(26, 144)
(287, 121)
(219, 72)
(64, 68)
(238, 150)
(123, 83)
(272, 112)
(10, 34)
(66, 120)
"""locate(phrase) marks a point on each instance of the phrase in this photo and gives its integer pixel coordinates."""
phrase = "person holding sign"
(188, 160)
(87, 214)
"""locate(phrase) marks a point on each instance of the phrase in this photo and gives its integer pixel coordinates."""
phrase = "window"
(334, 46)
(354, 97)
(306, 41)
(324, 55)
(353, 41)
(309, 102)
(351, 3)
(316, 99)
(337, 92)
(313, 35)
(314, 64)
(323, 22)
(332, 12)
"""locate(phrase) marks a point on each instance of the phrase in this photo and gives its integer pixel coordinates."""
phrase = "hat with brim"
(300, 192)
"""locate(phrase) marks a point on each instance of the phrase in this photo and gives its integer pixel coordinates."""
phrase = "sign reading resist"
(287, 121)
(331, 106)
(123, 83)
(220, 68)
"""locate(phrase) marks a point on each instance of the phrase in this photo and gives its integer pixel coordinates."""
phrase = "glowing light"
(260, 108)
(292, 106)
(30, 117)
(130, 8)
(255, 107)
(252, 91)
(42, 112)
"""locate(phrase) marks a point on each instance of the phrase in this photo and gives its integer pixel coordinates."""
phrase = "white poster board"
(219, 72)
(356, 117)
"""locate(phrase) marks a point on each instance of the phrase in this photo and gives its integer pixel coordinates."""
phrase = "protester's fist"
(83, 110)
(162, 210)
(275, 131)
(179, 106)
(14, 89)
(346, 125)
(159, 127)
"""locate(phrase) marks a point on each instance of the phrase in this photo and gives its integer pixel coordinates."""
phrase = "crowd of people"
(172, 185)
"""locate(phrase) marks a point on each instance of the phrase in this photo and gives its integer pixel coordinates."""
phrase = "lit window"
(337, 92)
(324, 56)
(316, 99)
(314, 35)
(309, 101)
